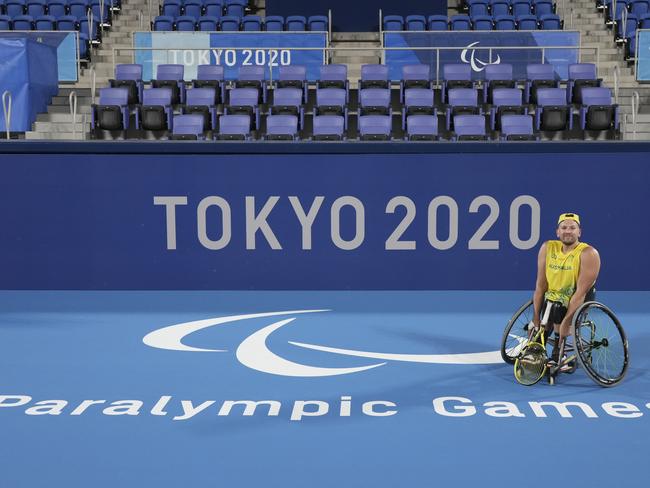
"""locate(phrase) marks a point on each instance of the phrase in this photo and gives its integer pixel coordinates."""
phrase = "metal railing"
(72, 101)
(93, 84)
(616, 75)
(635, 109)
(6, 109)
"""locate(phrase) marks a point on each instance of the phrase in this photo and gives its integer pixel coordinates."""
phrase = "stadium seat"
(236, 8)
(163, 23)
(482, 23)
(208, 23)
(171, 8)
(244, 101)
(230, 23)
(45, 23)
(374, 76)
(526, 22)
(597, 112)
(318, 23)
(193, 8)
(552, 113)
(462, 101)
(477, 7)
(416, 23)
(66, 23)
(499, 8)
(282, 127)
(328, 127)
(5, 22)
(375, 127)
(188, 127)
(294, 76)
(14, 8)
(186, 23)
(111, 112)
(296, 23)
(78, 8)
(200, 101)
(274, 23)
(155, 113)
(101, 12)
(550, 22)
(469, 128)
(252, 77)
(334, 76)
(455, 75)
(517, 128)
(213, 8)
(422, 127)
(374, 101)
(497, 76)
(460, 22)
(520, 7)
(538, 76)
(639, 7)
(505, 22)
(23, 22)
(288, 101)
(543, 7)
(438, 23)
(129, 76)
(57, 8)
(251, 23)
(92, 31)
(36, 8)
(234, 127)
(171, 76)
(625, 28)
(393, 23)
(507, 101)
(418, 101)
(414, 76)
(211, 76)
(332, 101)
(581, 75)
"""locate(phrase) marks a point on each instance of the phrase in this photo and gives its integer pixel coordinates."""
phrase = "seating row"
(229, 23)
(79, 9)
(217, 8)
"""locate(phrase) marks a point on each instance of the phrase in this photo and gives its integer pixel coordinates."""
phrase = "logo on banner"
(253, 352)
(476, 64)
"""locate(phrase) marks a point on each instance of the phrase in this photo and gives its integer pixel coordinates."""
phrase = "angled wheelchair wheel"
(515, 335)
(601, 343)
(530, 365)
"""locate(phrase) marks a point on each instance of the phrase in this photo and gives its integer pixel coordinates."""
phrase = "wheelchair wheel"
(515, 336)
(600, 343)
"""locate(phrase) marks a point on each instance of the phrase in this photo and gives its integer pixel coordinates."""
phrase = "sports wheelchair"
(598, 344)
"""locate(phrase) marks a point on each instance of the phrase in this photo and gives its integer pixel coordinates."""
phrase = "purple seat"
(598, 113)
(521, 7)
(462, 101)
(111, 112)
(539, 76)
(422, 127)
(129, 76)
(329, 128)
(506, 101)
(497, 76)
(288, 101)
(543, 7)
(244, 101)
(469, 128)
(331, 101)
(415, 76)
(155, 113)
(477, 7)
(374, 76)
(213, 8)
(455, 76)
(171, 8)
(201, 101)
(282, 127)
(552, 113)
(188, 127)
(252, 77)
(211, 76)
(234, 127)
(581, 75)
(517, 128)
(334, 76)
(375, 127)
(236, 8)
(418, 101)
(293, 76)
(171, 76)
(14, 8)
(374, 101)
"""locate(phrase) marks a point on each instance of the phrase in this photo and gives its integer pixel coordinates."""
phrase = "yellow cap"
(568, 216)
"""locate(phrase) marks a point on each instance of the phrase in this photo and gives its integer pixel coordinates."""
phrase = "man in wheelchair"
(567, 270)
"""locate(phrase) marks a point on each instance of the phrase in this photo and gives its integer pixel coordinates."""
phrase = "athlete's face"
(568, 232)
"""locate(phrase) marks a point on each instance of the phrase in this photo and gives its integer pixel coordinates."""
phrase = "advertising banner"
(643, 55)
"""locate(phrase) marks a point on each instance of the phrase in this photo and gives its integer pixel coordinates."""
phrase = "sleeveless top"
(562, 271)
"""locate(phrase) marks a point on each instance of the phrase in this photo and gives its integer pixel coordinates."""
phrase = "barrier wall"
(314, 216)
(643, 55)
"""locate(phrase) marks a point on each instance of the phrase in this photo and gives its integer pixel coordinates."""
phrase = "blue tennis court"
(302, 389)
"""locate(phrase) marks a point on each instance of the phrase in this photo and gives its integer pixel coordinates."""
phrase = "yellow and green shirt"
(562, 271)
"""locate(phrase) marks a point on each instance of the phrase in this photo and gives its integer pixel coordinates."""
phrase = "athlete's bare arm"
(541, 285)
(589, 269)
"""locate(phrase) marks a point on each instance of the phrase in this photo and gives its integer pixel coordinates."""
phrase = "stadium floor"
(340, 420)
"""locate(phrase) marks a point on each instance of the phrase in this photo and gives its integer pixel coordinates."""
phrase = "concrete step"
(65, 92)
(64, 117)
(63, 110)
(64, 101)
(48, 127)
(55, 136)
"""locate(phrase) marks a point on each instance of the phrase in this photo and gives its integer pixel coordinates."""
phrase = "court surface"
(352, 390)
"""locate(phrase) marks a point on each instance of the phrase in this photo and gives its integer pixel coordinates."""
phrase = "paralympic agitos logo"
(254, 353)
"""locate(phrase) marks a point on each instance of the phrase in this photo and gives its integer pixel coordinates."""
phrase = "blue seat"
(506, 101)
(213, 8)
(455, 75)
(45, 23)
(288, 101)
(482, 23)
(193, 8)
(36, 8)
(375, 127)
(328, 127)
(282, 127)
(460, 22)
(499, 7)
(543, 7)
(438, 23)
(163, 23)
(234, 127)
(374, 101)
(111, 112)
(639, 7)
(171, 8)
(244, 101)
(251, 23)
(5, 22)
(517, 128)
(186, 23)
(581, 75)
(469, 128)
(14, 8)
(552, 113)
(318, 23)
(211, 76)
(67, 23)
(610, 14)
(155, 113)
(78, 9)
(208, 23)
(23, 22)
(550, 22)
(171, 76)
(416, 23)
(252, 77)
(334, 76)
(505, 22)
(188, 127)
(462, 101)
(332, 101)
(236, 8)
(478, 7)
(626, 28)
(527, 22)
(92, 31)
(201, 101)
(497, 76)
(101, 12)
(374, 76)
(598, 113)
(418, 101)
(129, 76)
(538, 76)
(293, 76)
(230, 23)
(57, 8)
(393, 23)
(274, 23)
(296, 23)
(521, 7)
(414, 76)
(422, 127)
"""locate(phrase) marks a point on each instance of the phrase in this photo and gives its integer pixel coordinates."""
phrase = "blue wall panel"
(77, 221)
